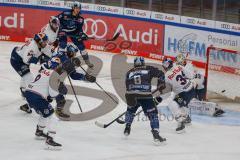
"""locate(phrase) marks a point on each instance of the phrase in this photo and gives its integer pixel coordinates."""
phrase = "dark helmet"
(76, 4)
(71, 50)
(139, 61)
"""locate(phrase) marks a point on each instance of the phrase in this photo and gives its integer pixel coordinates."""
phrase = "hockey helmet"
(181, 59)
(167, 63)
(54, 62)
(76, 5)
(41, 39)
(139, 61)
(54, 23)
(71, 50)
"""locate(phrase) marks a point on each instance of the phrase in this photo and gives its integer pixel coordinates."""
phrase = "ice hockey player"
(138, 93)
(183, 88)
(207, 108)
(22, 57)
(51, 30)
(193, 74)
(39, 95)
(71, 51)
(71, 25)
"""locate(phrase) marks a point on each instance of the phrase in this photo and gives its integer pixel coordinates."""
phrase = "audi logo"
(132, 12)
(100, 8)
(95, 28)
(192, 21)
(159, 16)
(225, 26)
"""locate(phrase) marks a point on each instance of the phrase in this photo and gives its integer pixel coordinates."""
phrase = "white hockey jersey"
(176, 78)
(41, 84)
(193, 74)
(28, 50)
(52, 36)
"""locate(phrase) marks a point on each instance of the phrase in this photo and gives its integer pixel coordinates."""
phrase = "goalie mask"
(54, 23)
(181, 60)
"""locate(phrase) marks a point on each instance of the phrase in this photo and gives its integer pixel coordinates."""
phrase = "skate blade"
(158, 143)
(53, 148)
(181, 131)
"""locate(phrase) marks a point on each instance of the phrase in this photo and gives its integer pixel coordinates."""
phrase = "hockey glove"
(82, 36)
(90, 78)
(49, 99)
(157, 100)
(68, 66)
(62, 89)
(56, 43)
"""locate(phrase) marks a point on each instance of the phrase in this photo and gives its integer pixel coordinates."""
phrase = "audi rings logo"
(132, 12)
(95, 28)
(100, 8)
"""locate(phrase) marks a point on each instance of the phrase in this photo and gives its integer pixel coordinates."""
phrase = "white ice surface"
(85, 141)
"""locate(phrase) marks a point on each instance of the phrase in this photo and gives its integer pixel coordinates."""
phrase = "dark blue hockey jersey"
(70, 23)
(138, 79)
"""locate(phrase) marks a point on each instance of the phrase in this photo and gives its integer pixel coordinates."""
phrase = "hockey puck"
(223, 91)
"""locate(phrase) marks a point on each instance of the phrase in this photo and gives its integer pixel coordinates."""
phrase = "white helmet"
(54, 23)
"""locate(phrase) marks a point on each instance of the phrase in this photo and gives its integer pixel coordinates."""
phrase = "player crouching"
(39, 95)
(138, 85)
(183, 89)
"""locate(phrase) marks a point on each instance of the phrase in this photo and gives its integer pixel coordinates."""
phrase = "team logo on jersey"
(174, 72)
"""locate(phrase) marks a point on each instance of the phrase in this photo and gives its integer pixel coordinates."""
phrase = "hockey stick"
(123, 122)
(108, 124)
(101, 88)
(105, 39)
(75, 94)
